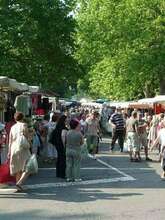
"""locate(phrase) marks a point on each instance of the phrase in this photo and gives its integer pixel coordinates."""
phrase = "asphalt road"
(112, 188)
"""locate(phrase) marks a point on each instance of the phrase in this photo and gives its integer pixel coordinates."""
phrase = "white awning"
(7, 84)
(156, 99)
(119, 104)
(159, 99)
(23, 87)
(34, 89)
(147, 101)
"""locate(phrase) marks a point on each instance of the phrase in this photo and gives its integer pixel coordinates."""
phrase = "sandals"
(135, 159)
(19, 188)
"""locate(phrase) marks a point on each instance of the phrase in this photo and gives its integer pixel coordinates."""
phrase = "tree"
(36, 42)
(122, 47)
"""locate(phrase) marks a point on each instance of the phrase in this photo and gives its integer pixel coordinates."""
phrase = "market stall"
(43, 101)
(155, 104)
(159, 104)
(9, 89)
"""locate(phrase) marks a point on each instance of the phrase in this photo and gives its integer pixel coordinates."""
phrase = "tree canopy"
(116, 48)
(36, 43)
(122, 47)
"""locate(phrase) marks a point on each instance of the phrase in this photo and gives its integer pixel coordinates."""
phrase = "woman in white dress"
(18, 156)
(161, 140)
(152, 131)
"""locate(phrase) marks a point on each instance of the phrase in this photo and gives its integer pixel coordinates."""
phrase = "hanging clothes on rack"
(23, 104)
(2, 106)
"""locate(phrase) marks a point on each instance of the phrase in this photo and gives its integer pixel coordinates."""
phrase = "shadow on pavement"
(76, 195)
(41, 215)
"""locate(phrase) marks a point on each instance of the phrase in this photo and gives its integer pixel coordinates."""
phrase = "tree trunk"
(162, 87)
(146, 91)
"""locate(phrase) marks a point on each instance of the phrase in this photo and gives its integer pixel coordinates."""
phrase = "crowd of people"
(57, 137)
(61, 137)
(138, 132)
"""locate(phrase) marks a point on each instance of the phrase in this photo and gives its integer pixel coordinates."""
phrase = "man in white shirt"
(92, 130)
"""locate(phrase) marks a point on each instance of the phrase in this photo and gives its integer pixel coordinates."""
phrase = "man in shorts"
(143, 135)
(132, 137)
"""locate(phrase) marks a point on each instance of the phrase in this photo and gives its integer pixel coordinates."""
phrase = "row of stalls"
(15, 96)
(155, 105)
(30, 100)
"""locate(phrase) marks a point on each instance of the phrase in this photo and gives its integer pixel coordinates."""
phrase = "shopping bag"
(20, 143)
(23, 142)
(125, 147)
(5, 176)
(32, 165)
(84, 151)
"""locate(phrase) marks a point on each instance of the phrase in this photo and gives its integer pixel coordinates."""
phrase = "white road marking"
(85, 182)
(105, 168)
(125, 177)
(7, 190)
(113, 168)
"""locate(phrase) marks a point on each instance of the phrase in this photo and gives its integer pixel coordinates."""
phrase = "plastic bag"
(84, 151)
(32, 164)
(125, 148)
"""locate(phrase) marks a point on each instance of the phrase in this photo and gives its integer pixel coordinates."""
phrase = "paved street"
(112, 188)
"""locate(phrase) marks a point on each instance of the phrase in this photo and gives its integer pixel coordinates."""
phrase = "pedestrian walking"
(92, 131)
(161, 140)
(59, 141)
(132, 137)
(19, 155)
(74, 140)
(118, 125)
(142, 125)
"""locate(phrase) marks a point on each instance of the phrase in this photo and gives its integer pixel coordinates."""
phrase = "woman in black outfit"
(58, 139)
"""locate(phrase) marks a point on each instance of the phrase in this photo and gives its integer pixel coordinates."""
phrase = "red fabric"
(158, 108)
(5, 176)
(40, 111)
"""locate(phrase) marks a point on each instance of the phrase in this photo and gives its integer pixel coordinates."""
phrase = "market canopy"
(157, 99)
(7, 84)
(34, 89)
(147, 101)
(121, 104)
(138, 105)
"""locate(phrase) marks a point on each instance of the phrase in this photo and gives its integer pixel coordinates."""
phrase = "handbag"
(5, 176)
(20, 143)
(23, 142)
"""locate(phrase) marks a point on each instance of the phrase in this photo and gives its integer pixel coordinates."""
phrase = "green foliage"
(122, 46)
(36, 42)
